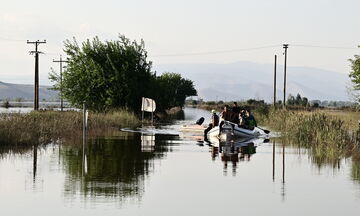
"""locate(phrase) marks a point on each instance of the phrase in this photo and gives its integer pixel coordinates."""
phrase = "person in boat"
(236, 110)
(227, 115)
(214, 123)
(248, 120)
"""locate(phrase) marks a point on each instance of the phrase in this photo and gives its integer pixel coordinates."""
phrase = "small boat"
(227, 132)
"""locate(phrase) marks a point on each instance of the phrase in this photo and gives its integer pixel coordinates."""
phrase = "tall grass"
(44, 127)
(328, 137)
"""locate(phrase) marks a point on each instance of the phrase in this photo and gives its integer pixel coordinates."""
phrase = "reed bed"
(44, 127)
(328, 137)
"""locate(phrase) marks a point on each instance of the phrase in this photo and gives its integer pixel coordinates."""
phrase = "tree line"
(116, 74)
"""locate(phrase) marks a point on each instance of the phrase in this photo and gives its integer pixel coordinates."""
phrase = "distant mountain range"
(235, 81)
(25, 92)
(244, 80)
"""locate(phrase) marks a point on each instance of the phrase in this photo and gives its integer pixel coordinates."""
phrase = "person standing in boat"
(214, 123)
(236, 110)
(226, 115)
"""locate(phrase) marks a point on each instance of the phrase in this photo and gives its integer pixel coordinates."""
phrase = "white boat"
(228, 133)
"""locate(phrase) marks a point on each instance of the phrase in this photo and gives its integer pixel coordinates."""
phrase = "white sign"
(148, 105)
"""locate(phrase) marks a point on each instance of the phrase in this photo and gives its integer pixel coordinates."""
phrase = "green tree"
(106, 74)
(114, 74)
(355, 71)
(355, 77)
(172, 90)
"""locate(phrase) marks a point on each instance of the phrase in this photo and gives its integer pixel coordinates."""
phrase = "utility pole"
(285, 46)
(36, 82)
(275, 82)
(61, 67)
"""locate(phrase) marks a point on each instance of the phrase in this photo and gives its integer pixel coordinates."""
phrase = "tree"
(112, 74)
(173, 90)
(355, 71)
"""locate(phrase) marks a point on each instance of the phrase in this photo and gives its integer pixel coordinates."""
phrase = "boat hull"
(228, 133)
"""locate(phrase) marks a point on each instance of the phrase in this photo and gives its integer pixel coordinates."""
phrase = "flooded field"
(161, 171)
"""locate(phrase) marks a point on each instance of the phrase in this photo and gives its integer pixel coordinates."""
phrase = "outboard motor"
(200, 121)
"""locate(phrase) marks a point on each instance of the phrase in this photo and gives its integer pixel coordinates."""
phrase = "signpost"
(148, 105)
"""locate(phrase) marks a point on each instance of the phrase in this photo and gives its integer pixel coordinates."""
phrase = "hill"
(26, 92)
(244, 80)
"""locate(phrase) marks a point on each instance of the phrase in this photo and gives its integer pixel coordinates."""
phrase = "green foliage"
(172, 90)
(113, 74)
(297, 101)
(355, 71)
(6, 103)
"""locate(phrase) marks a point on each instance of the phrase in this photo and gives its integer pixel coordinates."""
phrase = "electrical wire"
(13, 40)
(322, 47)
(215, 52)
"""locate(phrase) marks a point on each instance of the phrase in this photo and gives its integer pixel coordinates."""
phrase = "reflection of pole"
(152, 112)
(142, 109)
(273, 174)
(283, 160)
(34, 161)
(84, 137)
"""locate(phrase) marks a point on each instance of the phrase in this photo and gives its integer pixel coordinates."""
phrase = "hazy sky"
(186, 26)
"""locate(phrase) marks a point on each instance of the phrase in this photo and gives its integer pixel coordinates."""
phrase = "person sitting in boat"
(214, 123)
(248, 120)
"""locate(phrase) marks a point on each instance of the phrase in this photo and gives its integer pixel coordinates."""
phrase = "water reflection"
(111, 167)
(233, 150)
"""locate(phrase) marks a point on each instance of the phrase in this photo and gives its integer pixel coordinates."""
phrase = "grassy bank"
(44, 127)
(327, 136)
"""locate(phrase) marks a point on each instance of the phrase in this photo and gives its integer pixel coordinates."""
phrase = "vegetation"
(329, 135)
(116, 74)
(297, 101)
(45, 127)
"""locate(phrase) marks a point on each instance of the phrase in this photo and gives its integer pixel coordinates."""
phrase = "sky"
(217, 31)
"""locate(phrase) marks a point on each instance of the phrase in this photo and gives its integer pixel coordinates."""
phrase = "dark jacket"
(215, 120)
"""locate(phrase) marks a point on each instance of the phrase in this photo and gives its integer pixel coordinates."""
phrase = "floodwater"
(161, 171)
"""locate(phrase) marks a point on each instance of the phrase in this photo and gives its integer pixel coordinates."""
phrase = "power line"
(9, 39)
(215, 52)
(322, 47)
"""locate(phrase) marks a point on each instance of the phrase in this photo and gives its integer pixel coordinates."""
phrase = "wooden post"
(285, 65)
(275, 81)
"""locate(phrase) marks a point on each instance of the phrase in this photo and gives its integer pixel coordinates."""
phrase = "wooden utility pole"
(61, 67)
(285, 53)
(275, 81)
(36, 82)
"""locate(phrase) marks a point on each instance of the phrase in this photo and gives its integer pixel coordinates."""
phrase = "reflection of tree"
(115, 167)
